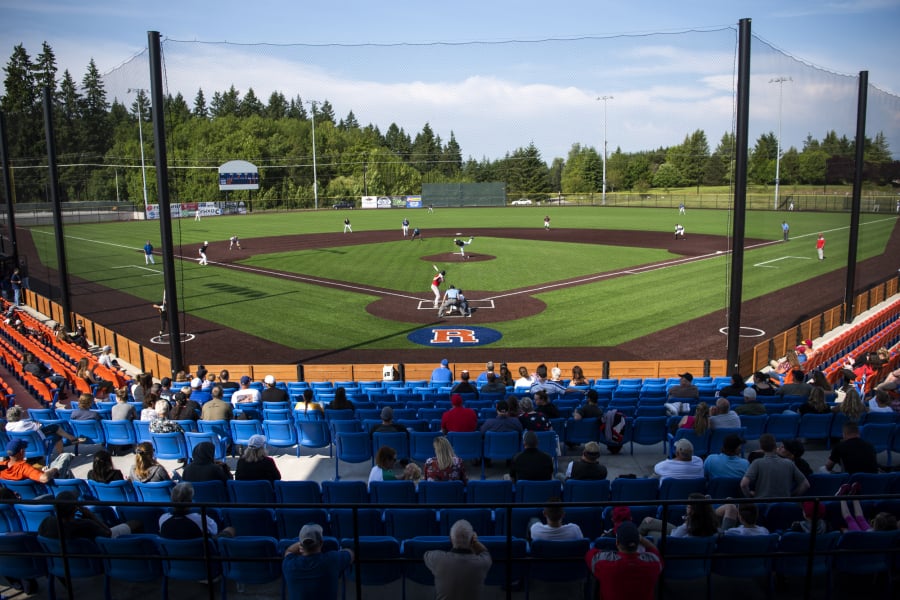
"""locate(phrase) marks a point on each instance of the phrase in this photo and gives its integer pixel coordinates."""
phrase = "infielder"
(347, 226)
(679, 231)
(405, 226)
(462, 246)
(436, 282)
(203, 253)
(415, 234)
(234, 242)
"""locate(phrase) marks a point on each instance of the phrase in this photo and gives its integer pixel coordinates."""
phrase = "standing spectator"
(216, 409)
(590, 409)
(255, 463)
(684, 466)
(772, 476)
(445, 465)
(15, 280)
(554, 530)
(626, 573)
(531, 463)
(588, 467)
(145, 468)
(272, 393)
(728, 463)
(460, 573)
(309, 573)
(820, 246)
(853, 454)
(458, 418)
(442, 375)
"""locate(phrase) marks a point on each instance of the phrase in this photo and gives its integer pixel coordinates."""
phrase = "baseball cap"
(311, 535)
(245, 379)
(257, 441)
(270, 380)
(444, 362)
(456, 400)
(627, 536)
(387, 413)
(687, 376)
(620, 514)
(196, 382)
(684, 446)
(13, 446)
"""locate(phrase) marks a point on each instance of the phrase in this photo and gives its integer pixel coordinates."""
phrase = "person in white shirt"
(525, 380)
(684, 466)
(245, 393)
(555, 530)
(723, 416)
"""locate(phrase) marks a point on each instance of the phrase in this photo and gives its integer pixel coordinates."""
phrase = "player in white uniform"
(679, 231)
(405, 226)
(203, 253)
(234, 242)
(347, 226)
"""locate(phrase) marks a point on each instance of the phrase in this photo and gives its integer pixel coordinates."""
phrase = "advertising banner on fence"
(391, 202)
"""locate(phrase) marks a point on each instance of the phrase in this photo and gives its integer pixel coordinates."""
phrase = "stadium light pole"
(780, 81)
(312, 104)
(141, 138)
(604, 98)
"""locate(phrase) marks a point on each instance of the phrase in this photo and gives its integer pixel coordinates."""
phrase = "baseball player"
(203, 253)
(820, 247)
(451, 299)
(679, 231)
(347, 226)
(405, 225)
(436, 282)
(163, 319)
(461, 244)
(547, 222)
(234, 242)
(415, 234)
(197, 214)
(148, 254)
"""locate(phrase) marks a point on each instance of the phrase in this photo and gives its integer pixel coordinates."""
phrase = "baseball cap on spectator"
(270, 380)
(627, 536)
(620, 514)
(444, 362)
(684, 445)
(196, 383)
(848, 374)
(387, 413)
(311, 535)
(257, 441)
(687, 376)
(14, 446)
(456, 400)
(245, 379)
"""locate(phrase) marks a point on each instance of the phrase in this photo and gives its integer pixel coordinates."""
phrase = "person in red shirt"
(628, 573)
(458, 418)
(16, 468)
(820, 247)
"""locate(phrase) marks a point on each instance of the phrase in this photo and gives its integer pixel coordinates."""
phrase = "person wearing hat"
(772, 476)
(216, 409)
(310, 573)
(684, 465)
(272, 393)
(588, 467)
(458, 418)
(105, 358)
(245, 393)
(15, 468)
(813, 518)
(460, 573)
(387, 424)
(442, 375)
(685, 390)
(631, 571)
(729, 462)
(255, 464)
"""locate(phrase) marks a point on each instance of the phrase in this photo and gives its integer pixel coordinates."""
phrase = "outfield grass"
(611, 311)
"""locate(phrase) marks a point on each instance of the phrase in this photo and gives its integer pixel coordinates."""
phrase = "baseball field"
(602, 284)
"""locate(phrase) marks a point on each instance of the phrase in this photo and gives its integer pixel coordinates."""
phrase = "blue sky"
(501, 75)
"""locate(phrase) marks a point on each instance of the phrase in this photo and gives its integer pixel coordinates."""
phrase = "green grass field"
(301, 315)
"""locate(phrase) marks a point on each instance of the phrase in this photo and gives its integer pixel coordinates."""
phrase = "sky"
(501, 75)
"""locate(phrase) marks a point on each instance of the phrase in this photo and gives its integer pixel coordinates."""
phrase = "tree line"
(98, 149)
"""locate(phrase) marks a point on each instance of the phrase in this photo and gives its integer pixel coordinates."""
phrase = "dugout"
(463, 194)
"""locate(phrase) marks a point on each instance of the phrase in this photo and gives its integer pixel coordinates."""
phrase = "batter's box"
(473, 304)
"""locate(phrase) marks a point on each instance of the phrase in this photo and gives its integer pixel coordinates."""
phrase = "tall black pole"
(850, 285)
(53, 183)
(8, 190)
(162, 186)
(742, 143)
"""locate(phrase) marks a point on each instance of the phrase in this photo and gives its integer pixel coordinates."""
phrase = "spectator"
(588, 467)
(225, 381)
(525, 380)
(856, 521)
(204, 466)
(700, 520)
(724, 417)
(273, 393)
(460, 573)
(735, 388)
(793, 450)
(880, 402)
(590, 409)
(15, 468)
(122, 410)
(853, 454)
(79, 522)
(18, 421)
(103, 470)
(106, 359)
(145, 468)
(383, 470)
(30, 364)
(683, 466)
(541, 382)
(685, 391)
(813, 518)
(502, 422)
(554, 530)
(891, 382)
(506, 376)
(182, 523)
(445, 465)
(728, 463)
(308, 405)
(255, 464)
(578, 377)
(442, 375)
(488, 370)
(797, 385)
(745, 514)
(544, 406)
(626, 573)
(772, 476)
(815, 403)
(762, 384)
(458, 418)
(699, 422)
(752, 405)
(493, 385)
(852, 405)
(531, 419)
(148, 407)
(531, 463)
(340, 400)
(141, 386)
(387, 424)
(216, 409)
(85, 411)
(245, 394)
(464, 386)
(309, 573)
(185, 409)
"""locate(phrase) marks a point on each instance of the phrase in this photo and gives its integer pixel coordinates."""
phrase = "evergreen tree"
(350, 123)
(200, 109)
(398, 141)
(451, 160)
(296, 109)
(45, 71)
(250, 105)
(277, 108)
(426, 150)
(325, 113)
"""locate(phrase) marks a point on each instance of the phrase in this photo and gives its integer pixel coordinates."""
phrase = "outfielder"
(436, 282)
(148, 254)
(347, 226)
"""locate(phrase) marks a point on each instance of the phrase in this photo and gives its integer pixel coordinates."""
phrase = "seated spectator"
(245, 393)
(531, 463)
(273, 393)
(145, 468)
(85, 372)
(225, 381)
(685, 391)
(590, 409)
(103, 470)
(309, 572)
(723, 417)
(340, 401)
(578, 378)
(182, 523)
(104, 392)
(797, 385)
(148, 407)
(815, 403)
(700, 520)
(880, 402)
(793, 450)
(506, 376)
(635, 565)
(85, 411)
(588, 467)
(458, 418)
(554, 530)
(813, 518)
(728, 463)
(18, 421)
(493, 385)
(307, 404)
(856, 520)
(752, 406)
(15, 468)
(460, 573)
(216, 409)
(741, 520)
(445, 465)
(735, 388)
(79, 522)
(204, 466)
(699, 422)
(544, 406)
(683, 466)
(141, 386)
(106, 359)
(387, 424)
(184, 409)
(464, 386)
(383, 470)
(852, 454)
(531, 419)
(541, 382)
(255, 463)
(30, 364)
(502, 422)
(762, 385)
(525, 380)
(442, 375)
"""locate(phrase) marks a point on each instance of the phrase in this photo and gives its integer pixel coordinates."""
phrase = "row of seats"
(847, 342)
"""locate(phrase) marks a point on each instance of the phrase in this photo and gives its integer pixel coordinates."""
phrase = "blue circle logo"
(454, 337)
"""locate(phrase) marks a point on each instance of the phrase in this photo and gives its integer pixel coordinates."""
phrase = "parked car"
(343, 204)
(521, 202)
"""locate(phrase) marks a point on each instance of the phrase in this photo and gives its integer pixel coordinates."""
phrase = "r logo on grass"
(450, 337)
